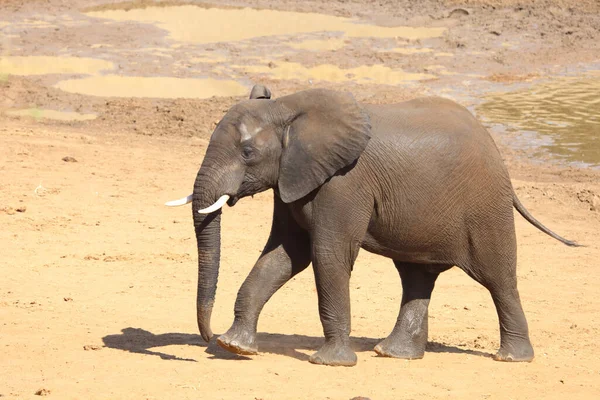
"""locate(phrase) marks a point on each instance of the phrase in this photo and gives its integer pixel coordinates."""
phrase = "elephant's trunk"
(208, 237)
(213, 186)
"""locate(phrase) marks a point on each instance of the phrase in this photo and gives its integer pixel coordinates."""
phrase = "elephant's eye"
(247, 153)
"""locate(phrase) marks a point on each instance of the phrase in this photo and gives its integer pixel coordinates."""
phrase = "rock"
(458, 12)
(43, 392)
(595, 206)
(69, 159)
(92, 347)
(21, 209)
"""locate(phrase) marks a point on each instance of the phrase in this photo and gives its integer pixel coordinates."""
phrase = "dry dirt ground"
(97, 277)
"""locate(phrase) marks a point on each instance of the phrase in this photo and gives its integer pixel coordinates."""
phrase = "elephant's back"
(424, 116)
(432, 128)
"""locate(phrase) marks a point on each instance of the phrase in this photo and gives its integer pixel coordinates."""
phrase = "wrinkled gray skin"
(419, 182)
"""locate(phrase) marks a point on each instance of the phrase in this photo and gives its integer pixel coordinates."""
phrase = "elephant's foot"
(400, 349)
(238, 341)
(334, 354)
(517, 351)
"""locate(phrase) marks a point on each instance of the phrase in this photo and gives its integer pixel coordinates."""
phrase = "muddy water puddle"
(38, 113)
(196, 24)
(565, 111)
(153, 87)
(40, 65)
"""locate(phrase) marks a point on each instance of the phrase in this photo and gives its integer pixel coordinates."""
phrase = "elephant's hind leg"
(514, 334)
(409, 337)
(496, 271)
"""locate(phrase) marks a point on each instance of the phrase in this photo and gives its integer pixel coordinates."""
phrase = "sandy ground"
(97, 283)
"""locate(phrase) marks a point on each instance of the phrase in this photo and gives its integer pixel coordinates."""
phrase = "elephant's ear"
(260, 92)
(325, 131)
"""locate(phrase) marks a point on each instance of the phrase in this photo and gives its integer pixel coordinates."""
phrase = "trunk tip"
(206, 335)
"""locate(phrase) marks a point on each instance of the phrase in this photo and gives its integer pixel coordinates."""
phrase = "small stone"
(458, 12)
(43, 392)
(67, 299)
(69, 159)
(92, 347)
(21, 209)
(595, 206)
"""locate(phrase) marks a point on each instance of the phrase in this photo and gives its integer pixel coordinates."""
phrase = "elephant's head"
(292, 144)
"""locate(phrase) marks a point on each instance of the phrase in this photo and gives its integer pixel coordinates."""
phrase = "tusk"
(220, 203)
(180, 202)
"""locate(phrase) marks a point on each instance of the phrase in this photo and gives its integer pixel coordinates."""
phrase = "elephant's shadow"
(137, 340)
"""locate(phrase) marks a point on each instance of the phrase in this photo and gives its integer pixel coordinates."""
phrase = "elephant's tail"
(527, 215)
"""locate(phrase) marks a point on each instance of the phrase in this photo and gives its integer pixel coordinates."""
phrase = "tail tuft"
(571, 243)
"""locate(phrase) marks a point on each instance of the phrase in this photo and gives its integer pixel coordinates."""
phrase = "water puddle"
(196, 24)
(377, 74)
(38, 113)
(152, 87)
(40, 65)
(319, 45)
(32, 23)
(566, 111)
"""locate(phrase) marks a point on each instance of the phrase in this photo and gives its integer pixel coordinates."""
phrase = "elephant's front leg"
(333, 255)
(333, 285)
(286, 254)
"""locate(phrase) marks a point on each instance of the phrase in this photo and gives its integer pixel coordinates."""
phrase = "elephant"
(420, 182)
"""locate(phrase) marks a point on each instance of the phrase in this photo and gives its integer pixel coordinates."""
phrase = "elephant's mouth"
(249, 187)
(232, 200)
